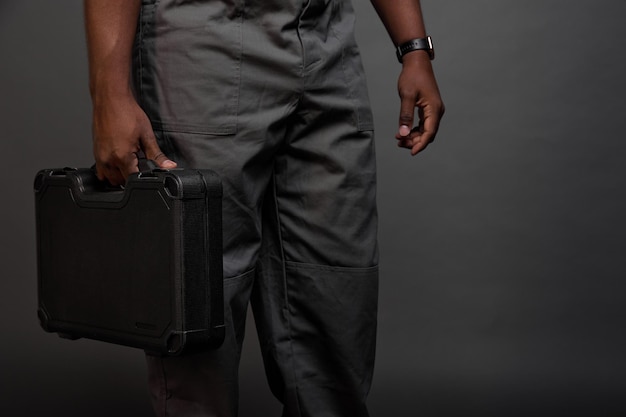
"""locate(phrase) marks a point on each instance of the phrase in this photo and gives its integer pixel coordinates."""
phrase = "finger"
(100, 172)
(407, 110)
(119, 177)
(154, 153)
(420, 140)
(405, 142)
(431, 116)
(428, 127)
(418, 147)
(163, 161)
(127, 166)
(112, 175)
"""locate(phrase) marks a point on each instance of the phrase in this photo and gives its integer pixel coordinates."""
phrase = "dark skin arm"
(120, 127)
(416, 85)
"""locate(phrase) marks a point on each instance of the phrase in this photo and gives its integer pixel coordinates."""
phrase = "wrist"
(104, 93)
(417, 58)
(109, 83)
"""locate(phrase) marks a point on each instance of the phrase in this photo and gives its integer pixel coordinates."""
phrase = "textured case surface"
(139, 266)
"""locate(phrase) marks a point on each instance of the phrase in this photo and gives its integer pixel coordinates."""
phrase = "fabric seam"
(286, 296)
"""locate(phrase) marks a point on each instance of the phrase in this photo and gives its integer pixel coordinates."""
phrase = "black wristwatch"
(419, 44)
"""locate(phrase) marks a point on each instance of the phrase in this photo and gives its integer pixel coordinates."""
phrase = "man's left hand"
(418, 89)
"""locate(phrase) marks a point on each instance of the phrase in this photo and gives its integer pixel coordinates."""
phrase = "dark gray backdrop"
(502, 245)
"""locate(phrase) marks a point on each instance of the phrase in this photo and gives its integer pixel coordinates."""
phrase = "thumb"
(153, 152)
(407, 110)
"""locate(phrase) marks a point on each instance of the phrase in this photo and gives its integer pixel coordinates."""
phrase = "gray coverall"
(271, 95)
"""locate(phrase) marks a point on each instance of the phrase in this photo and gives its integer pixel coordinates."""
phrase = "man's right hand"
(120, 126)
(120, 130)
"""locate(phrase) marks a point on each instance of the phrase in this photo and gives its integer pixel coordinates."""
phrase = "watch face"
(431, 48)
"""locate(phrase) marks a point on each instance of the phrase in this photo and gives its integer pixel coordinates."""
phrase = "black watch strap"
(419, 44)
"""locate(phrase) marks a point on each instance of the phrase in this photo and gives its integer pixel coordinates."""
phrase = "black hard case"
(139, 267)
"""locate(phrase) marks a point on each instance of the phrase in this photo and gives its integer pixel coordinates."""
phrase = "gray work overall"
(271, 95)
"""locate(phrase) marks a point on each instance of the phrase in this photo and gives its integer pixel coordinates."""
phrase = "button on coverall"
(271, 95)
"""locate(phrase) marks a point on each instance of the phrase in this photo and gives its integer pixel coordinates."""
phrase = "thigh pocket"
(188, 65)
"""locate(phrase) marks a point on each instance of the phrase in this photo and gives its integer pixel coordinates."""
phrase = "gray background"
(502, 245)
